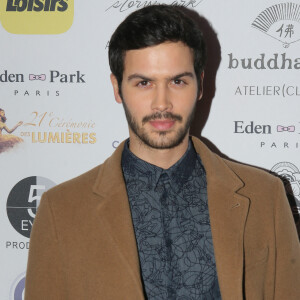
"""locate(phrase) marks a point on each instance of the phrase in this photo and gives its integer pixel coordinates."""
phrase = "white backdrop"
(70, 127)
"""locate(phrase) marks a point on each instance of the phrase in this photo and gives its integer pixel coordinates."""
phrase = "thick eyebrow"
(142, 77)
(138, 76)
(189, 74)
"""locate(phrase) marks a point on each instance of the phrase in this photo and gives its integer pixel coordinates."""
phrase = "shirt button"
(168, 242)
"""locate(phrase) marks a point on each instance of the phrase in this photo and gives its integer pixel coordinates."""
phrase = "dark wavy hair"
(3, 119)
(153, 25)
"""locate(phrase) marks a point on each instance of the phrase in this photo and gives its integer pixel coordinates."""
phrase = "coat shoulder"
(85, 188)
(75, 189)
(216, 163)
(258, 183)
(250, 173)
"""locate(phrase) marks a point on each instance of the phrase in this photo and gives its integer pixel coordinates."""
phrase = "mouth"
(162, 124)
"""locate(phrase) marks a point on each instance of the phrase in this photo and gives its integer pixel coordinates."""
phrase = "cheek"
(137, 103)
(184, 103)
(137, 109)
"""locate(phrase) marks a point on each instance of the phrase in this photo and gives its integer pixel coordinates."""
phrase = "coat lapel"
(228, 211)
(115, 216)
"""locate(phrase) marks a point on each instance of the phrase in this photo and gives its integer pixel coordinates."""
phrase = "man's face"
(159, 94)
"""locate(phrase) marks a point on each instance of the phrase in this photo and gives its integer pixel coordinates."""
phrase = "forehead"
(167, 57)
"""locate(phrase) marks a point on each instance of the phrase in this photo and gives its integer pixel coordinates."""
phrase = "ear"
(201, 86)
(115, 85)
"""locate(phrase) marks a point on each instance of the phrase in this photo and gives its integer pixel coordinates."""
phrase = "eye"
(144, 83)
(178, 82)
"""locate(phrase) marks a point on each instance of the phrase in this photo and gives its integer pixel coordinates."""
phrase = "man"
(163, 217)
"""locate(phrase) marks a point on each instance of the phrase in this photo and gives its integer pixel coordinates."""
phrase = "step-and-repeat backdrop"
(58, 116)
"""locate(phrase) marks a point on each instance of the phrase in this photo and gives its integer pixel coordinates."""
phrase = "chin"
(162, 141)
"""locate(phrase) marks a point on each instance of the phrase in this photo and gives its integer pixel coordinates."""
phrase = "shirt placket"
(164, 187)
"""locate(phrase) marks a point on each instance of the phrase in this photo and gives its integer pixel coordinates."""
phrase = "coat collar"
(115, 217)
(110, 177)
(227, 208)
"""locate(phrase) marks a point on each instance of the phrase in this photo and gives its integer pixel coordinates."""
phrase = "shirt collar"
(178, 174)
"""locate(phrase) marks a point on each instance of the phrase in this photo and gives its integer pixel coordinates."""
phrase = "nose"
(161, 101)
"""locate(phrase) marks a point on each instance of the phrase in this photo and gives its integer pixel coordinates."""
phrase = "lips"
(162, 124)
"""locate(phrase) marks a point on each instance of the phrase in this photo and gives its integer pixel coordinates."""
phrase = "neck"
(163, 158)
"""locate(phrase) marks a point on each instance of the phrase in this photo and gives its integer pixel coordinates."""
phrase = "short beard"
(142, 135)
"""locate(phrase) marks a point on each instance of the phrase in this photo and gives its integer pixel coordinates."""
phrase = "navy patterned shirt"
(171, 222)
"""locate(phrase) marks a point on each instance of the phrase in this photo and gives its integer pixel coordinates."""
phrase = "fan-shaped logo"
(290, 174)
(23, 201)
(18, 288)
(281, 22)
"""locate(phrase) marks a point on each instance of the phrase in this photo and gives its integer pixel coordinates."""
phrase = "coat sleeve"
(44, 278)
(287, 277)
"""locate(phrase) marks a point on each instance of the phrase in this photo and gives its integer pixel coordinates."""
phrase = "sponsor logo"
(17, 289)
(23, 201)
(36, 5)
(253, 128)
(277, 130)
(50, 128)
(280, 22)
(22, 16)
(53, 77)
(290, 128)
(274, 62)
(280, 145)
(125, 5)
(283, 91)
(290, 175)
(43, 127)
(17, 245)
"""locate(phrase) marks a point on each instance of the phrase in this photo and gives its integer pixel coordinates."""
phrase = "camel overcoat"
(83, 246)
